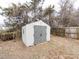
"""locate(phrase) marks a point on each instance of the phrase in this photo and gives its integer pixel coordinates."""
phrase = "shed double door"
(39, 34)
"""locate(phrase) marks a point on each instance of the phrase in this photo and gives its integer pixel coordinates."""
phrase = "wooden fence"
(58, 31)
(72, 32)
(7, 36)
(68, 32)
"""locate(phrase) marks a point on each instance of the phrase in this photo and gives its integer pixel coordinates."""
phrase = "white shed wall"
(48, 33)
(29, 35)
(24, 34)
(44, 24)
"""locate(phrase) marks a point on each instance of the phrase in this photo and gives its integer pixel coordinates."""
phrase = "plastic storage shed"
(35, 33)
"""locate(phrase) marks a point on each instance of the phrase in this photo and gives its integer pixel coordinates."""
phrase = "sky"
(7, 3)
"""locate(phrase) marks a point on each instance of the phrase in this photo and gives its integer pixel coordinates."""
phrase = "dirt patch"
(57, 48)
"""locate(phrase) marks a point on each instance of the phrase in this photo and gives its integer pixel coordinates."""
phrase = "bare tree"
(37, 11)
(75, 17)
(48, 12)
(66, 11)
(16, 15)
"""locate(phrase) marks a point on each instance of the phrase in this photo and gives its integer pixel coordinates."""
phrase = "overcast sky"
(6, 3)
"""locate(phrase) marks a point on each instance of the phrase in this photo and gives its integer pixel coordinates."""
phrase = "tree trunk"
(50, 19)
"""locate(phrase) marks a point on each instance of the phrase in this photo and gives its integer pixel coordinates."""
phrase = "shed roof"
(37, 22)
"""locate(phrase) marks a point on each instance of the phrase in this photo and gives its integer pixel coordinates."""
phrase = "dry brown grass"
(57, 48)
